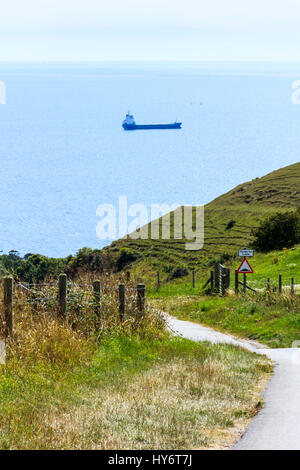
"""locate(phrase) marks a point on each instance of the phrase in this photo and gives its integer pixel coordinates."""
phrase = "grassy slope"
(271, 320)
(246, 205)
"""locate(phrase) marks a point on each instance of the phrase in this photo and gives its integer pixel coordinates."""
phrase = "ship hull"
(135, 127)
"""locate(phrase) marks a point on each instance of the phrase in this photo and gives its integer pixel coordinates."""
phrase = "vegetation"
(229, 221)
(281, 230)
(79, 383)
(265, 317)
(269, 317)
(92, 382)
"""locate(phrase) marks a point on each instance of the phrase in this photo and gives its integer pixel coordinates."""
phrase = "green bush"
(126, 257)
(281, 230)
(179, 271)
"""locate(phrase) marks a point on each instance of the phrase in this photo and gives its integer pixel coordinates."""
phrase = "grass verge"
(266, 317)
(61, 391)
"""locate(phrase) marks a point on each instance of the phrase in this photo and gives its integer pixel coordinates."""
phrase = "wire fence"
(66, 299)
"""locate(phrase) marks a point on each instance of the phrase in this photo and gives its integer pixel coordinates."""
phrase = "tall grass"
(94, 382)
(43, 339)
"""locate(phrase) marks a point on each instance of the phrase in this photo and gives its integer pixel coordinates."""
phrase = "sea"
(63, 152)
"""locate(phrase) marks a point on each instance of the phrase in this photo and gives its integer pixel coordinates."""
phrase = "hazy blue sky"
(149, 30)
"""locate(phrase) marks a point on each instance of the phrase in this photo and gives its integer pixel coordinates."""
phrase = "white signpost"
(245, 253)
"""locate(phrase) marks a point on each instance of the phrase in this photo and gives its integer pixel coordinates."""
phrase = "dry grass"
(81, 384)
(183, 403)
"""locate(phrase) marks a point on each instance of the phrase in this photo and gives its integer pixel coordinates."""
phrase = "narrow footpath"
(277, 425)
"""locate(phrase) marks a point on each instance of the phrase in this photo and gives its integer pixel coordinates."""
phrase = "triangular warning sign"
(245, 267)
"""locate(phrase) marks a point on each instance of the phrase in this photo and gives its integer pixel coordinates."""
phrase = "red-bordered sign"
(245, 267)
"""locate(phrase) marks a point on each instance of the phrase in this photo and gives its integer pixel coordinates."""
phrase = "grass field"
(267, 317)
(132, 394)
(130, 386)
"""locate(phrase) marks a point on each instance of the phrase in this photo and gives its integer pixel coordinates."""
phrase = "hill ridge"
(229, 219)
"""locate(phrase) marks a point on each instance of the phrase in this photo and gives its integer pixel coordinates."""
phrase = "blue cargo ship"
(130, 125)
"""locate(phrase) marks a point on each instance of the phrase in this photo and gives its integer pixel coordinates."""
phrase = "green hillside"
(228, 223)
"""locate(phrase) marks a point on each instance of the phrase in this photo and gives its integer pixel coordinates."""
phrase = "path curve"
(277, 425)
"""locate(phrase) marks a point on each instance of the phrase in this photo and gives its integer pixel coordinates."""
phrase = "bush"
(37, 267)
(278, 231)
(126, 257)
(88, 260)
(220, 259)
(178, 272)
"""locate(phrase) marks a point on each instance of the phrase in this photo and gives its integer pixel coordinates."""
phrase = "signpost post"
(245, 267)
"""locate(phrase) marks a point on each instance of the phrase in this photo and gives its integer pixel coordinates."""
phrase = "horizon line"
(39, 61)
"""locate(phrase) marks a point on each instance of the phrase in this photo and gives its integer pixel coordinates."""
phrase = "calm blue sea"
(63, 151)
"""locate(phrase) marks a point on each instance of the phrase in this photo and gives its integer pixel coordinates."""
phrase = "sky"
(95, 30)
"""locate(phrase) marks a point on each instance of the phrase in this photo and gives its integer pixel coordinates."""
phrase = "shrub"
(281, 230)
(220, 259)
(126, 257)
(230, 225)
(179, 271)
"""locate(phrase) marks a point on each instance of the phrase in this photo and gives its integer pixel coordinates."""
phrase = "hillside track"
(277, 425)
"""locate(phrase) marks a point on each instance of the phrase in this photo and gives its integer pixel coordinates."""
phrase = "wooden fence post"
(293, 286)
(193, 274)
(62, 294)
(8, 306)
(236, 283)
(280, 284)
(217, 278)
(227, 283)
(211, 281)
(97, 297)
(128, 276)
(121, 301)
(141, 298)
(158, 280)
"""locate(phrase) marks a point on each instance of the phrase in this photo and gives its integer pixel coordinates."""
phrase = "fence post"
(245, 283)
(141, 298)
(8, 306)
(236, 282)
(211, 281)
(128, 276)
(193, 273)
(62, 294)
(268, 285)
(217, 278)
(158, 280)
(280, 284)
(97, 297)
(227, 283)
(293, 286)
(121, 301)
(222, 280)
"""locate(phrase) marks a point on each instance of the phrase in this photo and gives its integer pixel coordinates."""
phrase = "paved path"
(277, 425)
